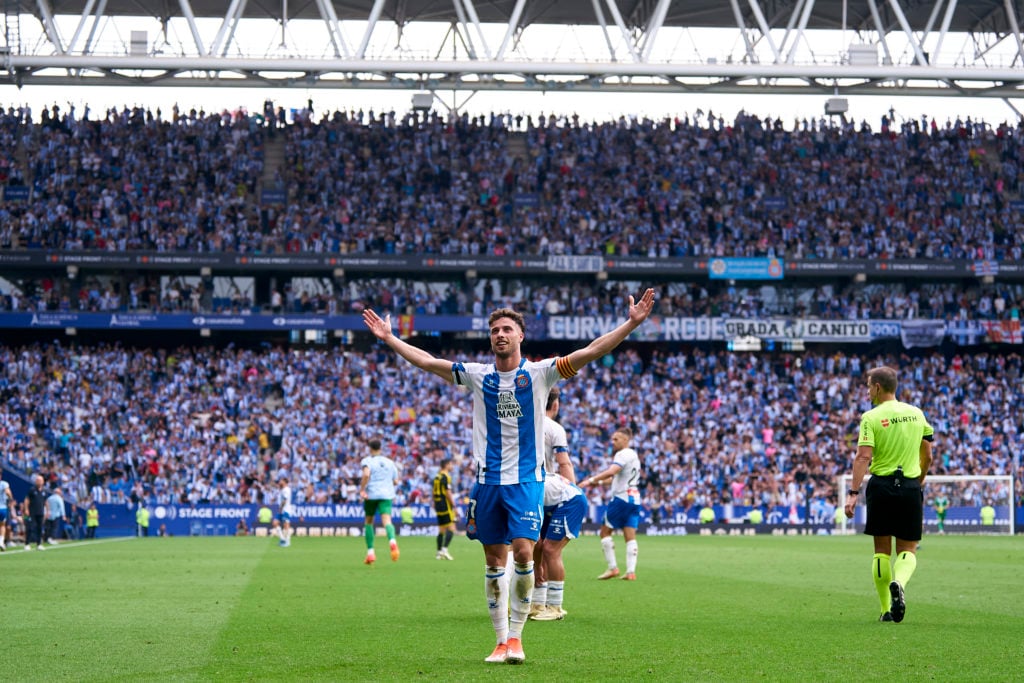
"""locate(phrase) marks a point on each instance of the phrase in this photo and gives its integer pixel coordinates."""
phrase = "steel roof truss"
(1011, 17)
(190, 19)
(603, 23)
(333, 26)
(50, 27)
(371, 24)
(741, 25)
(911, 38)
(613, 8)
(462, 30)
(101, 11)
(766, 31)
(880, 28)
(82, 21)
(227, 28)
(475, 20)
(510, 31)
(655, 24)
(805, 15)
(946, 19)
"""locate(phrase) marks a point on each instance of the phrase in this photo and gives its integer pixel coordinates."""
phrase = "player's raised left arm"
(381, 329)
(603, 345)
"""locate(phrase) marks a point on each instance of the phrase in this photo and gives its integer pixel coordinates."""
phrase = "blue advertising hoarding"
(745, 269)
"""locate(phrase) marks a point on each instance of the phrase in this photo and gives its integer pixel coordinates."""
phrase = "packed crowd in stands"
(356, 182)
(206, 425)
(200, 425)
(1001, 300)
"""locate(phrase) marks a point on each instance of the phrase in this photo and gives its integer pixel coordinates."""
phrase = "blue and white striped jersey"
(508, 418)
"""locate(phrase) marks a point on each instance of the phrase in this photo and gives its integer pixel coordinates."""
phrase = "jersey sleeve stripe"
(565, 368)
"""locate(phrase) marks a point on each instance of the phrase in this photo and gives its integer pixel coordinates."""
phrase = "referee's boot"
(898, 607)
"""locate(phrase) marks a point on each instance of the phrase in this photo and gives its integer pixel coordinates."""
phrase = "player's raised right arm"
(381, 329)
(606, 343)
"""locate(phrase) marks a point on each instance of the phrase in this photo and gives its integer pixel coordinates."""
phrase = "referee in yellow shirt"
(895, 444)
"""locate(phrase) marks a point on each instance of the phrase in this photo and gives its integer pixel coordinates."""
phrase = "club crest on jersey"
(522, 381)
(508, 406)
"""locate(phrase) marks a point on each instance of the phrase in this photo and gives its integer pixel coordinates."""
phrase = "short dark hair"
(553, 396)
(374, 444)
(445, 462)
(516, 316)
(884, 377)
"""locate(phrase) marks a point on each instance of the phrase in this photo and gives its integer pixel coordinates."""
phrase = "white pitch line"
(70, 544)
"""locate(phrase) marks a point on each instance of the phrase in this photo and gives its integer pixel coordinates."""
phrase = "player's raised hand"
(381, 328)
(639, 311)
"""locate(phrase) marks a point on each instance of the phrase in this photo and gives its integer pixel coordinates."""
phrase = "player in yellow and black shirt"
(444, 506)
(895, 443)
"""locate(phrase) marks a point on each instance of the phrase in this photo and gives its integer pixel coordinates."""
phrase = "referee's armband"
(565, 368)
(930, 437)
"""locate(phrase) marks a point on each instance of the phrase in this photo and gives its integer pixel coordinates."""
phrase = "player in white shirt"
(377, 489)
(5, 503)
(623, 510)
(284, 516)
(509, 397)
(564, 509)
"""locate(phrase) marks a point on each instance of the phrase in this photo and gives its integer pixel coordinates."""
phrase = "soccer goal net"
(962, 504)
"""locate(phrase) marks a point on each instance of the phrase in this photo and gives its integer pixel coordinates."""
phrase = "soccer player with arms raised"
(509, 398)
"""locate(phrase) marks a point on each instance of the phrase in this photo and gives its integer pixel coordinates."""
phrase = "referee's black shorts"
(895, 507)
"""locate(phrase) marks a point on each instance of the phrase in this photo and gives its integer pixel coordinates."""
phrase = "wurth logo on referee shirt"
(508, 406)
(885, 422)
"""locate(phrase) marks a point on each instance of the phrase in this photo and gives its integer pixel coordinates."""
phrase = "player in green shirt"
(895, 445)
(941, 504)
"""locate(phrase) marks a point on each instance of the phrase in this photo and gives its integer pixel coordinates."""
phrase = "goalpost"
(966, 495)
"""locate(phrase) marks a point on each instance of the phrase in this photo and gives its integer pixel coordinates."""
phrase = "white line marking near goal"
(70, 544)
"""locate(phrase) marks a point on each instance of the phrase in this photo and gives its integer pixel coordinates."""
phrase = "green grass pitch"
(703, 609)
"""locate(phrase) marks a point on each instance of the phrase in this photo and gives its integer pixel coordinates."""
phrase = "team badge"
(522, 381)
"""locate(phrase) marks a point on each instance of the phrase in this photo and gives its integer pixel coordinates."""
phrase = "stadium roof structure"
(952, 48)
